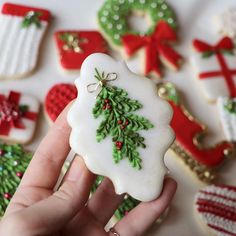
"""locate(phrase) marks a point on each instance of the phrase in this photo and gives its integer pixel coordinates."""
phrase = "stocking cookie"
(120, 127)
(216, 208)
(57, 98)
(13, 163)
(225, 23)
(22, 30)
(215, 68)
(18, 116)
(188, 145)
(156, 42)
(75, 46)
(227, 112)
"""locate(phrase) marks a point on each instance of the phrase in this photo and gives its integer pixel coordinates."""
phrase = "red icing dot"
(7, 196)
(19, 174)
(58, 97)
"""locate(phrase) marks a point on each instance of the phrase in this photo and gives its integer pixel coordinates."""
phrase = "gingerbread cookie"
(120, 127)
(215, 68)
(156, 42)
(18, 116)
(216, 207)
(22, 30)
(13, 163)
(75, 46)
(57, 98)
(225, 23)
(227, 112)
(188, 145)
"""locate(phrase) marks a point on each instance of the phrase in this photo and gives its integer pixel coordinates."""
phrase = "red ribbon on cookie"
(11, 114)
(225, 45)
(157, 47)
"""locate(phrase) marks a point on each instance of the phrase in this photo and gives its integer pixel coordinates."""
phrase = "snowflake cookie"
(121, 127)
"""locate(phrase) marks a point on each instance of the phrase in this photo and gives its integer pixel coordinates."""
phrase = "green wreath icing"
(112, 17)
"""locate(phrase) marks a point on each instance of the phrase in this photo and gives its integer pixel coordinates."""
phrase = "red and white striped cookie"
(57, 99)
(22, 30)
(216, 205)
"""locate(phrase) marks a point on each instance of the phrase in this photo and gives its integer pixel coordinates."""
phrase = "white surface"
(145, 184)
(195, 19)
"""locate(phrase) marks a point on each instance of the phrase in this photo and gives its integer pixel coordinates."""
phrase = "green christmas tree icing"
(13, 163)
(117, 109)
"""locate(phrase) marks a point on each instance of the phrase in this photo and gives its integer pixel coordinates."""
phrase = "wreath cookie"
(156, 41)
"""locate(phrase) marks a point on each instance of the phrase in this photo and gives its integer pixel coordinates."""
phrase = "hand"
(36, 209)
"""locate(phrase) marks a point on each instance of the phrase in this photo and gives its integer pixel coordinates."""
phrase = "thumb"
(51, 214)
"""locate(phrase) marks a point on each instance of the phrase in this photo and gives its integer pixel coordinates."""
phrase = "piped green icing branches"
(32, 17)
(13, 163)
(119, 121)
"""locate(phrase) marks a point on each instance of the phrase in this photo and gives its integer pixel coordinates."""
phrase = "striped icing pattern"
(216, 205)
(19, 46)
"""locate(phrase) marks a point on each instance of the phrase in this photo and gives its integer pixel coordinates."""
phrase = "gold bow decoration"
(102, 81)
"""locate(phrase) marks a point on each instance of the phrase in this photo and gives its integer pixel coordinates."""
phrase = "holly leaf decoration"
(119, 122)
(230, 106)
(207, 54)
(13, 163)
(23, 108)
(32, 17)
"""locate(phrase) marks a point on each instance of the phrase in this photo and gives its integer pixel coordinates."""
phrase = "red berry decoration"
(19, 174)
(108, 107)
(119, 122)
(126, 122)
(107, 101)
(7, 196)
(1, 152)
(122, 127)
(104, 107)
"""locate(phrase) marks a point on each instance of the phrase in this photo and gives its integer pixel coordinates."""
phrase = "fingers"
(146, 213)
(104, 202)
(47, 216)
(48, 160)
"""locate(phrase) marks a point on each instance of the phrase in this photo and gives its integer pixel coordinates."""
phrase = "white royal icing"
(225, 23)
(212, 87)
(216, 206)
(18, 46)
(26, 134)
(145, 184)
(228, 120)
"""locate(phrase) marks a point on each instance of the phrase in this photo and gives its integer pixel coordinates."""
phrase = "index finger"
(45, 167)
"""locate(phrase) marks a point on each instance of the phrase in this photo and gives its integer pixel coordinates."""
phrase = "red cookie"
(216, 206)
(189, 136)
(75, 46)
(58, 97)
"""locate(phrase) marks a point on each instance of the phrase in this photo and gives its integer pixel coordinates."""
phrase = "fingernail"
(76, 170)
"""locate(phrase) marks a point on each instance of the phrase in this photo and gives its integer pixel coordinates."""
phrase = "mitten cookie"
(75, 46)
(216, 207)
(189, 138)
(215, 68)
(13, 163)
(18, 116)
(22, 30)
(156, 43)
(57, 98)
(120, 127)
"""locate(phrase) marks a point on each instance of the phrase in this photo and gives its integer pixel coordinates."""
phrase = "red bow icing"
(11, 113)
(156, 46)
(225, 45)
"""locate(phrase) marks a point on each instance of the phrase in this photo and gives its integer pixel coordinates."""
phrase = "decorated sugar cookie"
(156, 42)
(13, 163)
(215, 68)
(22, 30)
(75, 46)
(124, 125)
(18, 116)
(216, 208)
(227, 112)
(188, 145)
(225, 23)
(57, 98)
